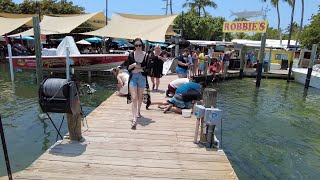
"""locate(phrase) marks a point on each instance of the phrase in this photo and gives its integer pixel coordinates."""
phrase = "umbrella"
(27, 38)
(160, 43)
(122, 43)
(94, 39)
(84, 42)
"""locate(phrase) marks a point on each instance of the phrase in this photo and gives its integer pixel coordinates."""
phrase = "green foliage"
(200, 5)
(271, 34)
(311, 33)
(7, 6)
(201, 28)
(295, 31)
(47, 7)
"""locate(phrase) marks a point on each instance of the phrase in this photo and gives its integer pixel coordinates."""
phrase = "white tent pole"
(68, 63)
(10, 62)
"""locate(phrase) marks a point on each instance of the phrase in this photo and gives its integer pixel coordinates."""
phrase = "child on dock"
(123, 79)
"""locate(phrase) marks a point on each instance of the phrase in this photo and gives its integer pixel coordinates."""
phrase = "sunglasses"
(138, 45)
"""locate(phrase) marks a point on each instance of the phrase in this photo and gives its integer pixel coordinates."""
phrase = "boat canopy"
(68, 41)
(152, 28)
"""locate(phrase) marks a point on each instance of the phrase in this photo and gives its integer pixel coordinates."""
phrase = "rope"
(60, 127)
(54, 126)
(52, 87)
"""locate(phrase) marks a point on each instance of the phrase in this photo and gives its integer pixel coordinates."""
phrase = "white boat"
(300, 75)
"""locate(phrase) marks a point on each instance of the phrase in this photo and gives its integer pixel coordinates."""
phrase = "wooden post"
(290, 65)
(37, 43)
(261, 58)
(74, 126)
(242, 61)
(209, 100)
(311, 63)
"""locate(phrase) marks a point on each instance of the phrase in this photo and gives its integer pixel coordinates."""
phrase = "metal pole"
(311, 63)
(68, 63)
(37, 41)
(5, 151)
(10, 62)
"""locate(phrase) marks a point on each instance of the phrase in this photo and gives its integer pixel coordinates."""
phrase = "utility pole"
(168, 5)
(106, 12)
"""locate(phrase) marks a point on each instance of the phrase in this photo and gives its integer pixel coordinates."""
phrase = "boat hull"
(89, 62)
(300, 75)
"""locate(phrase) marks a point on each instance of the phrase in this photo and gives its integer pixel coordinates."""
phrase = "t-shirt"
(178, 82)
(188, 87)
(201, 58)
(183, 59)
(191, 96)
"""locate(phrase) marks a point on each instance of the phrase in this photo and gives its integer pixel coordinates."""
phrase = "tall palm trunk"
(199, 7)
(301, 23)
(279, 22)
(171, 7)
(291, 23)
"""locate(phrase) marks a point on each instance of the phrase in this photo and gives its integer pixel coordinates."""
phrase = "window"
(278, 57)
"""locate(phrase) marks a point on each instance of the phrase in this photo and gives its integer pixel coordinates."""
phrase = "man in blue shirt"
(183, 98)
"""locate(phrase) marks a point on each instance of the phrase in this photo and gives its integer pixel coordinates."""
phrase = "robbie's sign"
(245, 26)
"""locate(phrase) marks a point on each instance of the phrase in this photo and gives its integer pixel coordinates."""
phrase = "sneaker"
(133, 124)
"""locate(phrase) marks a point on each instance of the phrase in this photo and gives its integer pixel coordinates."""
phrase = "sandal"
(133, 124)
(153, 86)
(138, 115)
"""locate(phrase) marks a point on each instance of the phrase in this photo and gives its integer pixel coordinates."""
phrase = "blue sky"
(224, 8)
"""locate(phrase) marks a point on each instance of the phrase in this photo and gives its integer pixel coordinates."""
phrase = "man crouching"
(184, 98)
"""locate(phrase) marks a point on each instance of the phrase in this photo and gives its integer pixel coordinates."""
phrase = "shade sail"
(9, 24)
(169, 32)
(130, 28)
(60, 25)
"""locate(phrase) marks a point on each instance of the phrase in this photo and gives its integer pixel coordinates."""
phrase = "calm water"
(269, 133)
(272, 132)
(28, 136)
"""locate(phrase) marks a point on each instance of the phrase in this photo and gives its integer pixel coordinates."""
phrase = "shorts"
(201, 66)
(171, 89)
(138, 80)
(177, 101)
(180, 70)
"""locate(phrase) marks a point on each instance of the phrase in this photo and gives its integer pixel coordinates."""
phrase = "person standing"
(157, 58)
(182, 68)
(202, 59)
(137, 67)
(195, 57)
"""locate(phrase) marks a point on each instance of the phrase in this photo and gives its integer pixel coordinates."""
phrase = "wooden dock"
(160, 148)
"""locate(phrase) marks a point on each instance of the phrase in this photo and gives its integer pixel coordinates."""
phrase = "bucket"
(186, 113)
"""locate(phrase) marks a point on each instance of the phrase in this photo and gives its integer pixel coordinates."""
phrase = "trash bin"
(265, 66)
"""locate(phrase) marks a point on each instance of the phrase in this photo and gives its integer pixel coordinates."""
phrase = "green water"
(28, 136)
(269, 133)
(272, 132)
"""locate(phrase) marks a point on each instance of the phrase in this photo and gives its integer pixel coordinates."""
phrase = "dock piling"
(209, 100)
(311, 63)
(5, 151)
(37, 42)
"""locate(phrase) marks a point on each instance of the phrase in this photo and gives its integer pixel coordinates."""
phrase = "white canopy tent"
(153, 29)
(10, 24)
(60, 25)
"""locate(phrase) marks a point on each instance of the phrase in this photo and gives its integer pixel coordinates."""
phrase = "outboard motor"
(59, 96)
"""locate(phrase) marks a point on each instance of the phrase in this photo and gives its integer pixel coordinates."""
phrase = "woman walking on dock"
(137, 67)
(157, 58)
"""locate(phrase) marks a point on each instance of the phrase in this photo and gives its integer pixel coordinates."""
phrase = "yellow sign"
(245, 26)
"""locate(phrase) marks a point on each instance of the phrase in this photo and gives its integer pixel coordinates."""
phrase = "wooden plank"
(161, 148)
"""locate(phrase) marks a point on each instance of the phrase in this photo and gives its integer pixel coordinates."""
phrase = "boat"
(300, 75)
(56, 58)
(83, 61)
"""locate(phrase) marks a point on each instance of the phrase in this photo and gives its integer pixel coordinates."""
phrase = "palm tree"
(275, 3)
(200, 5)
(301, 23)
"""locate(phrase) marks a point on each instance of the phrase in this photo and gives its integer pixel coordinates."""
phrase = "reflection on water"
(27, 135)
(272, 132)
